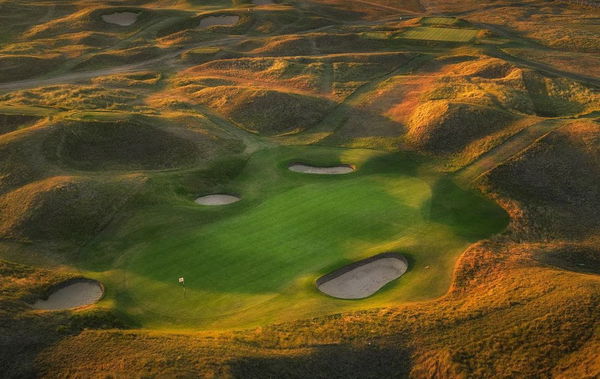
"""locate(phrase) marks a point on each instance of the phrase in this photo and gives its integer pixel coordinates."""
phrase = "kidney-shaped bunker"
(363, 278)
(72, 294)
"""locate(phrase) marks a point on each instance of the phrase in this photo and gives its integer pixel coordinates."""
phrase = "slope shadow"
(329, 361)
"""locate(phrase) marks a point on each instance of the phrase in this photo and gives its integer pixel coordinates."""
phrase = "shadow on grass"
(469, 214)
(330, 361)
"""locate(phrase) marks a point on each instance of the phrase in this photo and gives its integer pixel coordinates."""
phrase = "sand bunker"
(121, 18)
(219, 21)
(363, 278)
(72, 294)
(333, 170)
(217, 199)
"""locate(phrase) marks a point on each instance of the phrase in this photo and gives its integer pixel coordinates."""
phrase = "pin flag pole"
(182, 282)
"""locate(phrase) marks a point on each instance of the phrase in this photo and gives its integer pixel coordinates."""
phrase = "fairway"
(440, 34)
(257, 260)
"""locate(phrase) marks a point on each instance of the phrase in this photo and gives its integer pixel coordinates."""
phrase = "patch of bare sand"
(219, 21)
(73, 294)
(363, 278)
(217, 199)
(333, 170)
(121, 18)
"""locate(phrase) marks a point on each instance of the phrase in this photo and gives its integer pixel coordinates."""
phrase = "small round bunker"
(363, 278)
(121, 18)
(217, 199)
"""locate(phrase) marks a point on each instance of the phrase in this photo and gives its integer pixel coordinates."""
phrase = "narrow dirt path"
(511, 147)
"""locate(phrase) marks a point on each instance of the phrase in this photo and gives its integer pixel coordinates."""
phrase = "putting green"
(256, 260)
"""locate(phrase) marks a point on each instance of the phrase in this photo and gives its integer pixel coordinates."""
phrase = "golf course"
(257, 260)
(299, 189)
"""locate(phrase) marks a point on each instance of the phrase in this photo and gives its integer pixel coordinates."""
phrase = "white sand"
(121, 18)
(219, 20)
(334, 170)
(364, 280)
(76, 294)
(217, 199)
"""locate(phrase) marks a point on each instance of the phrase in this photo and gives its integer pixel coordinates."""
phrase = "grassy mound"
(491, 68)
(17, 67)
(116, 57)
(69, 96)
(61, 208)
(142, 79)
(20, 158)
(118, 145)
(553, 183)
(553, 97)
(10, 122)
(265, 112)
(445, 127)
(284, 46)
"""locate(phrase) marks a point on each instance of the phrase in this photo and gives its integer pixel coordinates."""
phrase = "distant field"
(440, 34)
(439, 21)
(256, 261)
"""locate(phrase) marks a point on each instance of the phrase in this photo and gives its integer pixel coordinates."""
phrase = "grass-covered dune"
(13, 67)
(41, 210)
(263, 111)
(117, 145)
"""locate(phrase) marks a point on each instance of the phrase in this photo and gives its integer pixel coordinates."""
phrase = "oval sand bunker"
(72, 294)
(217, 199)
(219, 21)
(333, 170)
(120, 18)
(363, 278)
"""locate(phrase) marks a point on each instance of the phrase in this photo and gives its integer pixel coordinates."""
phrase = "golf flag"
(181, 280)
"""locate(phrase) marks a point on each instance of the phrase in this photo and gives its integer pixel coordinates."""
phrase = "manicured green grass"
(256, 261)
(440, 34)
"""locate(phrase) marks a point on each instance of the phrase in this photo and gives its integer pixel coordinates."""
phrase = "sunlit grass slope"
(256, 261)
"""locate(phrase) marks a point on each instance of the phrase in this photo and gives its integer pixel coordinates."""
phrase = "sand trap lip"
(219, 21)
(70, 294)
(217, 199)
(332, 170)
(121, 18)
(363, 278)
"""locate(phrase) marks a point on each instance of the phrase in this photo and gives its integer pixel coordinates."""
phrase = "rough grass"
(16, 67)
(552, 183)
(441, 126)
(10, 122)
(77, 97)
(62, 208)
